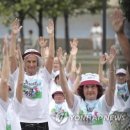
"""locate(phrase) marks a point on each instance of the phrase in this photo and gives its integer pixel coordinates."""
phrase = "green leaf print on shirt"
(81, 114)
(32, 93)
(90, 118)
(97, 121)
(66, 114)
(38, 95)
(8, 127)
(53, 110)
(60, 115)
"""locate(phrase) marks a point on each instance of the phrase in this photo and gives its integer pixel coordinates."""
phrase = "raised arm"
(102, 79)
(77, 80)
(42, 42)
(50, 59)
(4, 88)
(63, 81)
(19, 90)
(118, 25)
(72, 57)
(15, 30)
(109, 93)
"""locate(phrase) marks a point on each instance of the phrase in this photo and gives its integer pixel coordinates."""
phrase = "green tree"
(68, 8)
(37, 12)
(75, 7)
(45, 8)
(16, 8)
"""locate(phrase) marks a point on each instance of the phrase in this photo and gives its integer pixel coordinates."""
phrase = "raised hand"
(42, 42)
(74, 43)
(60, 57)
(50, 27)
(103, 59)
(74, 48)
(118, 20)
(16, 27)
(74, 51)
(112, 56)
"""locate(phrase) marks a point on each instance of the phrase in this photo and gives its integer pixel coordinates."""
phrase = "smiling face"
(31, 64)
(59, 98)
(90, 92)
(121, 78)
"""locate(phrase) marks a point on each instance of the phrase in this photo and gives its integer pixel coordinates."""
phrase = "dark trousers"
(34, 126)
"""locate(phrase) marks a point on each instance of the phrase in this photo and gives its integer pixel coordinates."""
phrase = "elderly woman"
(34, 114)
(90, 107)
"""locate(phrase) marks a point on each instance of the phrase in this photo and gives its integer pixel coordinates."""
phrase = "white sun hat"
(90, 78)
(57, 90)
(36, 53)
(121, 71)
(31, 51)
(56, 73)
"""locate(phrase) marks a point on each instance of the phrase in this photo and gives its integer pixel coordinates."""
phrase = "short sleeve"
(4, 105)
(17, 106)
(77, 101)
(45, 74)
(13, 78)
(103, 106)
(15, 74)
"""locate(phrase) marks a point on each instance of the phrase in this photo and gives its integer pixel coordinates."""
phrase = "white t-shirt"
(121, 99)
(3, 111)
(9, 115)
(36, 96)
(59, 116)
(96, 32)
(89, 115)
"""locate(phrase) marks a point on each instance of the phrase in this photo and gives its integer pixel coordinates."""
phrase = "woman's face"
(90, 92)
(31, 64)
(59, 98)
(121, 78)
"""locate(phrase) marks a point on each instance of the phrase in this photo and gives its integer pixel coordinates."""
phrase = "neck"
(30, 74)
(92, 100)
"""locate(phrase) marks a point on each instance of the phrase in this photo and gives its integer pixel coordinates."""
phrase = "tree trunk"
(40, 25)
(67, 45)
(54, 20)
